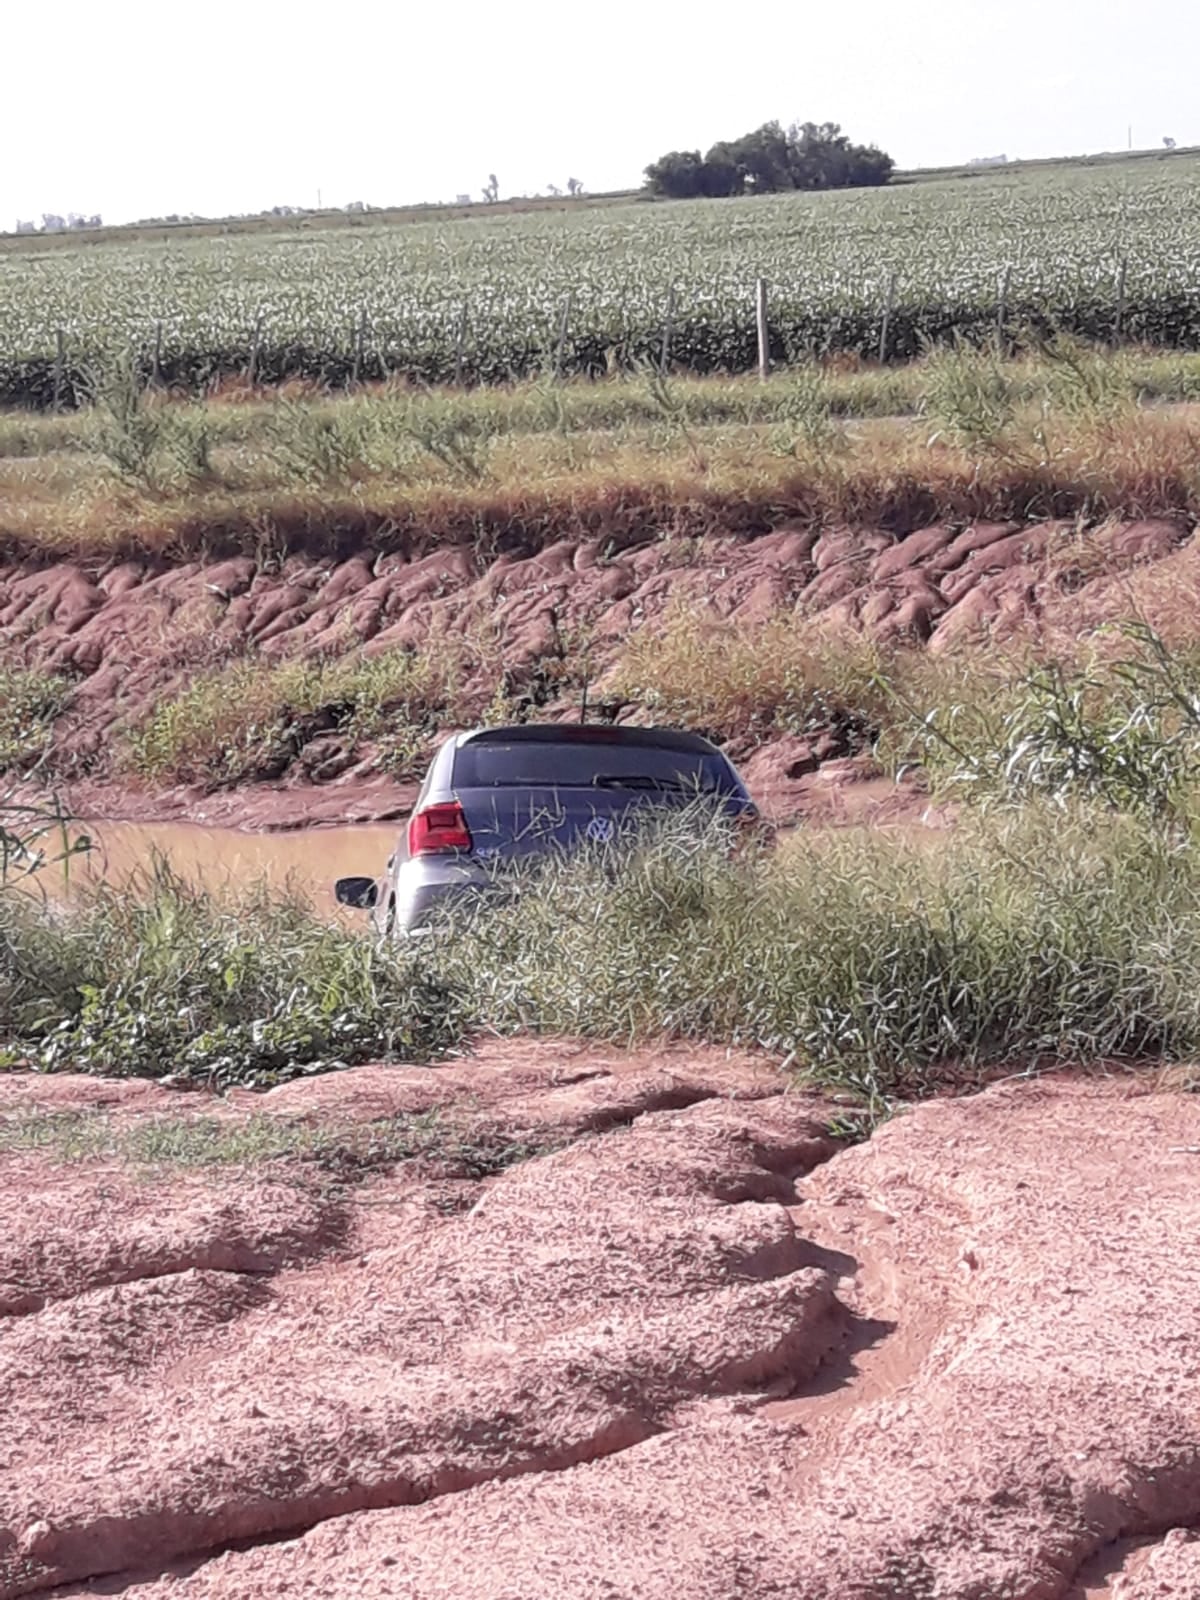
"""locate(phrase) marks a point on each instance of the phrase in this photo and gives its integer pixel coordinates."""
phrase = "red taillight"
(438, 828)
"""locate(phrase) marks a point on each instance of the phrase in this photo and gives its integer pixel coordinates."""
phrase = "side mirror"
(361, 893)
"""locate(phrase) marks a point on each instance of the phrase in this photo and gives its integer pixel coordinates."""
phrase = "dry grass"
(1062, 435)
(539, 488)
(733, 680)
(252, 717)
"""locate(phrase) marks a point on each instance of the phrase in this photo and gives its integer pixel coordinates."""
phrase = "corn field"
(1106, 251)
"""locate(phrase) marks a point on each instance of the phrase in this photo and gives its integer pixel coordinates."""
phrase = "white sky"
(142, 107)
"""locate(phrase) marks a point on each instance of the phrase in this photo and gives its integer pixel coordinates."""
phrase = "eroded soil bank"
(131, 633)
(678, 1342)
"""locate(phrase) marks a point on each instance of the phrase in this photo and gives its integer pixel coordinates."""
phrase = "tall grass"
(160, 979)
(880, 965)
(140, 439)
(333, 493)
(776, 677)
(960, 433)
(1119, 723)
(250, 719)
(35, 836)
(1032, 935)
(969, 396)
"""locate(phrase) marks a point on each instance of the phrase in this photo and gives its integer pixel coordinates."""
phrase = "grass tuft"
(159, 979)
(726, 680)
(884, 966)
(30, 702)
(251, 719)
(344, 1150)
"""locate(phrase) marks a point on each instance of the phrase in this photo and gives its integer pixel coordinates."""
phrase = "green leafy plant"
(128, 426)
(968, 396)
(161, 979)
(1082, 381)
(1124, 730)
(30, 702)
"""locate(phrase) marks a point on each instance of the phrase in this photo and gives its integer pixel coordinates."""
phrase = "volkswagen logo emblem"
(600, 829)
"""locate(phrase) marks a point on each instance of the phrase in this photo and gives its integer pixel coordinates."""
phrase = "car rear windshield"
(546, 765)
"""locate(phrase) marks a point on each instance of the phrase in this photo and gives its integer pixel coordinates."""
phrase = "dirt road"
(690, 1348)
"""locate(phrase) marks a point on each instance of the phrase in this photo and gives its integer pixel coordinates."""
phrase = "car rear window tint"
(544, 765)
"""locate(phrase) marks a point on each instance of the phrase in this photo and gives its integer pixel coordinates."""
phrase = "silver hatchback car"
(500, 795)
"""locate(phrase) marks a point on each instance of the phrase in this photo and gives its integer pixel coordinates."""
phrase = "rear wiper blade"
(637, 780)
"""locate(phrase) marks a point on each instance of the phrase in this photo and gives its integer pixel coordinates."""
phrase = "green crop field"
(486, 295)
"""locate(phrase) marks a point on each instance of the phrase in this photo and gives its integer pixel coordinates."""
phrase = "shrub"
(29, 703)
(1123, 729)
(161, 979)
(968, 395)
(873, 963)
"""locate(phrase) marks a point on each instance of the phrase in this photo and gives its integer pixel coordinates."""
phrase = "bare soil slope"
(691, 1348)
(133, 631)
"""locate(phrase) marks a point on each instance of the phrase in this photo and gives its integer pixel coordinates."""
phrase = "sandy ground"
(691, 1348)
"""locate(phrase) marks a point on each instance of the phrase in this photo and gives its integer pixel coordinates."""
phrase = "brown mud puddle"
(682, 1344)
(846, 795)
(306, 861)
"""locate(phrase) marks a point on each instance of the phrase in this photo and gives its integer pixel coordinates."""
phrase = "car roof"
(590, 733)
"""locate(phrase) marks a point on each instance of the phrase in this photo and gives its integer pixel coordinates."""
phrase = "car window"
(539, 765)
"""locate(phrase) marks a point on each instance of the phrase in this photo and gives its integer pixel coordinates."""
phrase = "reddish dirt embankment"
(693, 1350)
(132, 631)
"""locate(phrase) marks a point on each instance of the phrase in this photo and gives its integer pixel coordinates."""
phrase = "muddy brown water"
(304, 860)
(307, 861)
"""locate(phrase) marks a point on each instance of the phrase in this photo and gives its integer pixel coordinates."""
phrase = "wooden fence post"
(887, 318)
(360, 340)
(60, 364)
(460, 345)
(760, 320)
(1002, 311)
(1121, 272)
(560, 353)
(255, 338)
(668, 322)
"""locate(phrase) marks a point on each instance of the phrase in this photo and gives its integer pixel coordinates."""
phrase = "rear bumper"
(425, 889)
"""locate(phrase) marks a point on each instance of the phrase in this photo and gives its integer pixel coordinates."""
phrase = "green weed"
(968, 396)
(882, 966)
(1122, 729)
(30, 702)
(159, 979)
(345, 1150)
